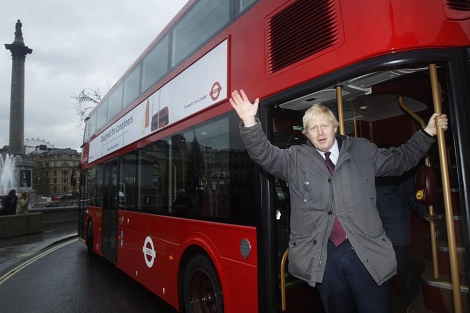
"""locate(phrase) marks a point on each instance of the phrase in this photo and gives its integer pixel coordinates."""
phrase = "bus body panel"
(366, 34)
(167, 238)
(95, 216)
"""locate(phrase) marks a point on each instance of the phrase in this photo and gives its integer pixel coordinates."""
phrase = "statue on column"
(18, 32)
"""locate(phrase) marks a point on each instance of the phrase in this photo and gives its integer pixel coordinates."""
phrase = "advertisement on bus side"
(201, 85)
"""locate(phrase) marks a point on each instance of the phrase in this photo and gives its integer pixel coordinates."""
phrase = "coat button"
(314, 242)
(329, 180)
(305, 200)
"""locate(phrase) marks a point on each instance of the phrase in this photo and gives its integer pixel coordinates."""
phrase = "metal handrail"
(339, 99)
(436, 96)
(283, 280)
(432, 226)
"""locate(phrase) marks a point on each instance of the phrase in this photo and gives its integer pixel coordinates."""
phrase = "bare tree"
(85, 101)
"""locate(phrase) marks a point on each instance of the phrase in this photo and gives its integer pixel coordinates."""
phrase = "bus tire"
(89, 239)
(202, 290)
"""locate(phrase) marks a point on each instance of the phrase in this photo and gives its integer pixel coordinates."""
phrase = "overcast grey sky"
(76, 45)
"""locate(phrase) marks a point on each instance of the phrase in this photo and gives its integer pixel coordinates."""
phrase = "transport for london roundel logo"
(215, 91)
(149, 251)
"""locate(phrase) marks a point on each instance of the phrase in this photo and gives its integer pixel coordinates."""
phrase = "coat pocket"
(301, 255)
(381, 257)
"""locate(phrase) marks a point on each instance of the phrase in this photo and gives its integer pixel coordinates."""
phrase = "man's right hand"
(431, 218)
(245, 109)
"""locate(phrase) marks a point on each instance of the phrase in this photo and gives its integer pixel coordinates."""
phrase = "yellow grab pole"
(432, 226)
(339, 99)
(436, 96)
(283, 280)
(355, 126)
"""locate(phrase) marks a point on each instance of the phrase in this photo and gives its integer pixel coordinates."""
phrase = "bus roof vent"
(459, 5)
(457, 9)
(300, 30)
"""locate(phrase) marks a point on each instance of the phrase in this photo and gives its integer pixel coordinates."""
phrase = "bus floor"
(301, 298)
(418, 304)
(416, 307)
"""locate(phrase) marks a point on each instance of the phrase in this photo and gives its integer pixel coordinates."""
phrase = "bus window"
(131, 87)
(155, 64)
(115, 102)
(196, 27)
(102, 114)
(152, 182)
(244, 5)
(90, 127)
(128, 192)
(215, 172)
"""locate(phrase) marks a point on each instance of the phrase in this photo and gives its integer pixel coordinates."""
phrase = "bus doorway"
(110, 207)
(294, 295)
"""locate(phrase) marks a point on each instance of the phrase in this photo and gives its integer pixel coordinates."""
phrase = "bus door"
(299, 296)
(82, 204)
(110, 207)
(437, 248)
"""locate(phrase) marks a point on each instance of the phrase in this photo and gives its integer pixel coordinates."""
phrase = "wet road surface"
(63, 278)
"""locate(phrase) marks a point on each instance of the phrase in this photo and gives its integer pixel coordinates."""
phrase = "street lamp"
(37, 190)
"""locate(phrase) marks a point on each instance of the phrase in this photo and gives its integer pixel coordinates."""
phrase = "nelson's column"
(18, 54)
(16, 141)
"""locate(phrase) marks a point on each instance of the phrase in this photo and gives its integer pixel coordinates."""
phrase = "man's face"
(321, 132)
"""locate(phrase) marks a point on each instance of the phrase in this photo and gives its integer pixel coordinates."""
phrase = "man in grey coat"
(337, 241)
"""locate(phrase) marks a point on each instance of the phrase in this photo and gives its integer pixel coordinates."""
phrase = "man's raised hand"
(245, 109)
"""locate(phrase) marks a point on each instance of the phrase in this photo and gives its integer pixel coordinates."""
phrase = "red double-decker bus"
(169, 194)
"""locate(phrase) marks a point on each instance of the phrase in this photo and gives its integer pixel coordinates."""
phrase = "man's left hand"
(431, 128)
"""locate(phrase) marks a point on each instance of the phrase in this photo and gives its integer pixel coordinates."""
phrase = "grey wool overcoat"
(317, 197)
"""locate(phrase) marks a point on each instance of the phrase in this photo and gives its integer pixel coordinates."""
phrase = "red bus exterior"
(216, 239)
(280, 51)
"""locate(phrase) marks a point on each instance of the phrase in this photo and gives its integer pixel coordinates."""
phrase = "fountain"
(8, 179)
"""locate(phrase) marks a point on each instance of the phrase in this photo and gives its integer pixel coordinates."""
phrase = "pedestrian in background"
(182, 203)
(337, 241)
(9, 203)
(396, 195)
(23, 203)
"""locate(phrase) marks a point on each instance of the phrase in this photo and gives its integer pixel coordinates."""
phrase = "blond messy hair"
(315, 111)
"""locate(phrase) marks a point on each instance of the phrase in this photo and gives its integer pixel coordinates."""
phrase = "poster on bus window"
(201, 85)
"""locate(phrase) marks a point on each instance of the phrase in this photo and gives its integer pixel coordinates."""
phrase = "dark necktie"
(338, 234)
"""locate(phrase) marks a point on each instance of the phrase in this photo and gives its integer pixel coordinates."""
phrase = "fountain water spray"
(7, 172)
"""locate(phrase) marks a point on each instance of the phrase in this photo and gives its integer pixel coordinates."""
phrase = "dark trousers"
(347, 286)
(409, 280)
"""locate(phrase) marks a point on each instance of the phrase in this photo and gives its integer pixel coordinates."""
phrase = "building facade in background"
(53, 169)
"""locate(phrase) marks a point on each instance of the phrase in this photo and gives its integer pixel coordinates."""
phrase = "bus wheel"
(202, 290)
(89, 239)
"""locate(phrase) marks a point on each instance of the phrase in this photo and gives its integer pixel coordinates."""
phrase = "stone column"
(18, 53)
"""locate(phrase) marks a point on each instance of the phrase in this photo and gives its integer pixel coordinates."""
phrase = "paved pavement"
(16, 249)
